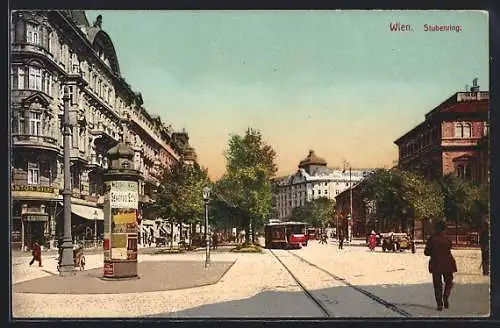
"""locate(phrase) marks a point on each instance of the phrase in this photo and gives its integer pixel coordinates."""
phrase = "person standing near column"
(441, 264)
(484, 242)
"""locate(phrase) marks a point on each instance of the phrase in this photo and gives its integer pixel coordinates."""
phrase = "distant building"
(451, 139)
(312, 180)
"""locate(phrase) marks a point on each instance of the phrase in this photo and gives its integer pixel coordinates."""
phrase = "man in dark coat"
(341, 240)
(37, 254)
(484, 242)
(441, 264)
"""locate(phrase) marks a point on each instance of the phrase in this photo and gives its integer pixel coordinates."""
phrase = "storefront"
(33, 213)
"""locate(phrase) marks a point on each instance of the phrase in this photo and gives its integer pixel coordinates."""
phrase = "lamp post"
(95, 229)
(349, 229)
(206, 198)
(67, 245)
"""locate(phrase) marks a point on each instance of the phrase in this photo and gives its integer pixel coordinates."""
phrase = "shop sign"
(44, 189)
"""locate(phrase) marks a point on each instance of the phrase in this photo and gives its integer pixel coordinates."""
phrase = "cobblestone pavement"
(258, 286)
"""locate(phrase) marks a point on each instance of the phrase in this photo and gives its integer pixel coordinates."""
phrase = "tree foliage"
(464, 201)
(179, 197)
(317, 213)
(398, 195)
(245, 188)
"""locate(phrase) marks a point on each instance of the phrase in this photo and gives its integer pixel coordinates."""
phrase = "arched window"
(459, 132)
(467, 130)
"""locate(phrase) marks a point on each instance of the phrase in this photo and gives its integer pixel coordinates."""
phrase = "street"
(368, 284)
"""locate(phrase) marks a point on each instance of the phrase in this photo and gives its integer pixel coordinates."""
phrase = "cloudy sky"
(339, 82)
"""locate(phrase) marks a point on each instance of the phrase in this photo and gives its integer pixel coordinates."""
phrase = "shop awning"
(88, 212)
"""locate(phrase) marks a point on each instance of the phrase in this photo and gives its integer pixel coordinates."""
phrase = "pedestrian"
(341, 240)
(36, 251)
(214, 241)
(372, 240)
(441, 264)
(484, 242)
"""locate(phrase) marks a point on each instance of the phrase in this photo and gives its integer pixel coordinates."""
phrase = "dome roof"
(312, 159)
(121, 150)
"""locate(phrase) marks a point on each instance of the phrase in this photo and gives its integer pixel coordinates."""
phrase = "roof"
(286, 223)
(78, 16)
(312, 159)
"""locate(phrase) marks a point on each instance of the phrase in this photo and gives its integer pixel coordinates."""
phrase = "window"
(458, 130)
(20, 77)
(485, 128)
(467, 130)
(71, 93)
(35, 122)
(33, 34)
(33, 174)
(49, 41)
(326, 192)
(46, 83)
(35, 78)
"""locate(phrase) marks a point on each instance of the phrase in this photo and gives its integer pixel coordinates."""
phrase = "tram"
(285, 235)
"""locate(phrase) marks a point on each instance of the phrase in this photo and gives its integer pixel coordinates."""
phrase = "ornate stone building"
(312, 180)
(51, 50)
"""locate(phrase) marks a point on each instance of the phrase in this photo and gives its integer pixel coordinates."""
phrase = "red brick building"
(448, 140)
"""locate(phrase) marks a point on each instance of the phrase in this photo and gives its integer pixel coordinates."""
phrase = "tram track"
(321, 305)
(311, 296)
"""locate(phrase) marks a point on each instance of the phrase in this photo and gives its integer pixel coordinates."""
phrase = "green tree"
(317, 213)
(179, 197)
(246, 184)
(464, 201)
(399, 195)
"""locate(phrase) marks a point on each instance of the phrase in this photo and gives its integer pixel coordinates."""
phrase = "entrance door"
(34, 231)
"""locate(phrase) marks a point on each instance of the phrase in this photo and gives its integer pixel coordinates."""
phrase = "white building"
(312, 180)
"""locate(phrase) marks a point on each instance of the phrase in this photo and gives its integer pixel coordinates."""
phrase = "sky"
(338, 82)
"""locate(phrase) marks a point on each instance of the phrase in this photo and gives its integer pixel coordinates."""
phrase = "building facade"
(50, 51)
(448, 140)
(312, 180)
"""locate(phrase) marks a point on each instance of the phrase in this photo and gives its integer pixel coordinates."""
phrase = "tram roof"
(286, 223)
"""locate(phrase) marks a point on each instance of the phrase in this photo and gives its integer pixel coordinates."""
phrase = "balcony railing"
(35, 141)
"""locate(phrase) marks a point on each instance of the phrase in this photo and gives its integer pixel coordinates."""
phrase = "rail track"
(320, 304)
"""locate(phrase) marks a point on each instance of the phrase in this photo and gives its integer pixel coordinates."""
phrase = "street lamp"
(206, 198)
(349, 229)
(67, 246)
(95, 229)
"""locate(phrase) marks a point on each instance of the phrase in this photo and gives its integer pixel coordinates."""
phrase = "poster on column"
(124, 205)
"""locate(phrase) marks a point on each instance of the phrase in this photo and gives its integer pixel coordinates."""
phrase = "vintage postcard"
(249, 164)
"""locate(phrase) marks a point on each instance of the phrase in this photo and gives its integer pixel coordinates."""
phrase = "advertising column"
(120, 216)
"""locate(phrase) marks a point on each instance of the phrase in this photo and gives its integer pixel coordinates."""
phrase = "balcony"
(35, 142)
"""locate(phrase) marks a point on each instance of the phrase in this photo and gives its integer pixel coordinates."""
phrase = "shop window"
(33, 174)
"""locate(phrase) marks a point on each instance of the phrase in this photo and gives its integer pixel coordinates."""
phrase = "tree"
(464, 201)
(399, 195)
(246, 185)
(179, 198)
(316, 213)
